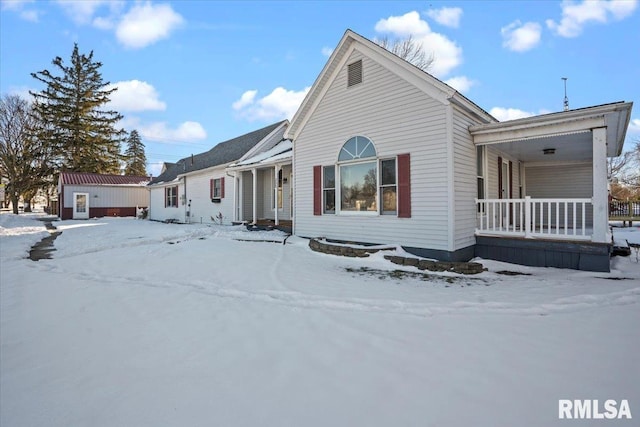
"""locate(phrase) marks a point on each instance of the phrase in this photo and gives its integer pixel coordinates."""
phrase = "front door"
(506, 184)
(80, 205)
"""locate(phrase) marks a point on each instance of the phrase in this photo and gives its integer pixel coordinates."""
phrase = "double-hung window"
(388, 187)
(217, 188)
(329, 189)
(171, 197)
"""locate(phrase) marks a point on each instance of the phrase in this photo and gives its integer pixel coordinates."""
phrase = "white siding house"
(385, 153)
(199, 188)
(407, 115)
(89, 195)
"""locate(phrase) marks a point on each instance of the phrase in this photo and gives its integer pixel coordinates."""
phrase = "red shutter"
(317, 190)
(222, 187)
(404, 186)
(211, 188)
(500, 178)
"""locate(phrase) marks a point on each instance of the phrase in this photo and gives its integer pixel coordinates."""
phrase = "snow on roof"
(282, 150)
(83, 178)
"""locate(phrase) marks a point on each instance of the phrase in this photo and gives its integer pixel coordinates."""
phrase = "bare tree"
(624, 173)
(23, 159)
(617, 165)
(410, 50)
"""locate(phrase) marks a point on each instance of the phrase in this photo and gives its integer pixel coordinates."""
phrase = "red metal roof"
(82, 178)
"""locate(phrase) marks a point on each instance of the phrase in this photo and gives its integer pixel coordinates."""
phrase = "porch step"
(621, 248)
(269, 224)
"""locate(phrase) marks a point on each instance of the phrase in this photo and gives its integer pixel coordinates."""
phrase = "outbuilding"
(88, 195)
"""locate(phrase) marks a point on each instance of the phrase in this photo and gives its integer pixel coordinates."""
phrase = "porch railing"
(530, 218)
(624, 210)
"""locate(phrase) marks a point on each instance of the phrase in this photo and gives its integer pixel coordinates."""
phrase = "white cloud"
(22, 92)
(521, 37)
(19, 6)
(135, 95)
(14, 5)
(246, 99)
(279, 104)
(576, 15)
(327, 51)
(461, 83)
(447, 16)
(634, 127)
(503, 114)
(408, 24)
(30, 15)
(146, 23)
(160, 131)
(81, 12)
(446, 53)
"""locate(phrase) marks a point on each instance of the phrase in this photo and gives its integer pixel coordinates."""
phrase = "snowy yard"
(137, 323)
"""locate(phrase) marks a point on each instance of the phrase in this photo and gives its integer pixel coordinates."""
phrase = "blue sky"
(194, 73)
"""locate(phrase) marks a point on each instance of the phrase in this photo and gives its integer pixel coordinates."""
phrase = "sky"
(191, 74)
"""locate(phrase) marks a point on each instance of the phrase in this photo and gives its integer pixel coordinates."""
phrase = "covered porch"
(545, 178)
(263, 187)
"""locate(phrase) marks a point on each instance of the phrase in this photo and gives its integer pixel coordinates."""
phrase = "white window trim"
(335, 191)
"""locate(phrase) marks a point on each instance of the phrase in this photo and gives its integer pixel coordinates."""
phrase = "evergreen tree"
(83, 136)
(136, 159)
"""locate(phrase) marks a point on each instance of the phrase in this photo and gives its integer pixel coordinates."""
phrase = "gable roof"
(222, 153)
(351, 41)
(281, 152)
(83, 178)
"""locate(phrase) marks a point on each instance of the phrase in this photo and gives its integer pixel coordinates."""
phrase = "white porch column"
(254, 172)
(235, 197)
(240, 211)
(275, 189)
(600, 196)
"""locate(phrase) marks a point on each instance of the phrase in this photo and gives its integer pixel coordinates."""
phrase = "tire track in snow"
(297, 300)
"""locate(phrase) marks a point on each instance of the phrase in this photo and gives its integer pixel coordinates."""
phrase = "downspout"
(451, 205)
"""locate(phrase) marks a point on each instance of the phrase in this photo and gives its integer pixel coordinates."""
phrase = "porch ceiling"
(568, 132)
(572, 147)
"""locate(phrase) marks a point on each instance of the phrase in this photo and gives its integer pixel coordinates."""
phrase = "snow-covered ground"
(138, 323)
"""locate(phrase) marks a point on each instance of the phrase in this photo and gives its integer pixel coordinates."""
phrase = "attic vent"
(355, 73)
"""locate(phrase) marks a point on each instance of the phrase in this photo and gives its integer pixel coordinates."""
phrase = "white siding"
(107, 196)
(491, 174)
(465, 180)
(247, 196)
(561, 182)
(202, 209)
(157, 210)
(399, 118)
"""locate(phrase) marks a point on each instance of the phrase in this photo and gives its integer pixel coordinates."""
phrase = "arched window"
(358, 147)
(363, 183)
